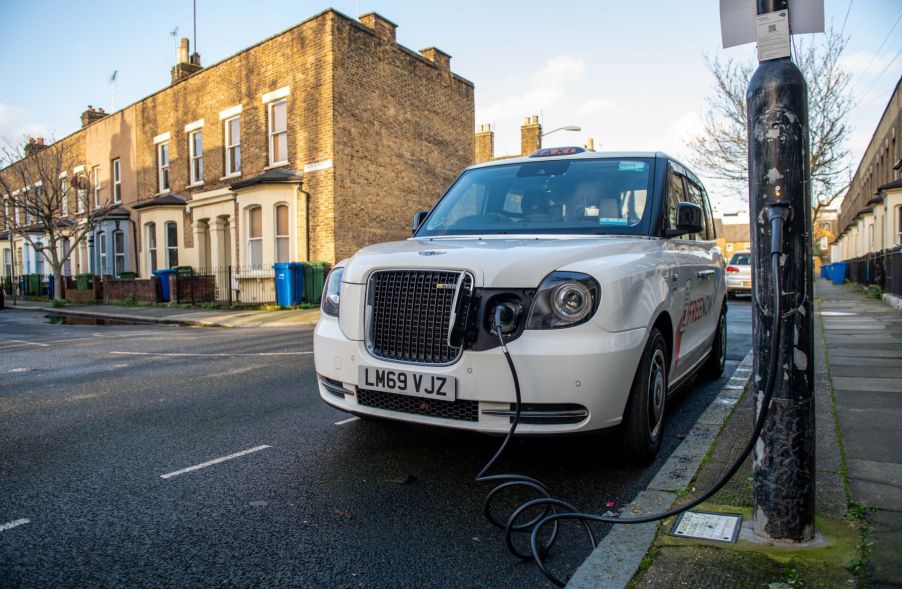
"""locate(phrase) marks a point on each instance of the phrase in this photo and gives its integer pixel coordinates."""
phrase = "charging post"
(780, 219)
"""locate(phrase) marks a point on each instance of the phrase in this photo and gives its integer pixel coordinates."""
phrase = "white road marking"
(214, 461)
(344, 421)
(14, 370)
(14, 524)
(225, 355)
(19, 341)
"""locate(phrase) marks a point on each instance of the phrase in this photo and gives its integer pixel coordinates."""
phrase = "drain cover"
(721, 527)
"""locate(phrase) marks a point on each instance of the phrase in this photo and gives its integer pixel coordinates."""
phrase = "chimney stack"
(34, 145)
(485, 144)
(91, 115)
(590, 144)
(530, 135)
(384, 28)
(187, 64)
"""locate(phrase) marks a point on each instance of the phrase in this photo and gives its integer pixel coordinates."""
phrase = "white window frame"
(150, 233)
(195, 159)
(272, 134)
(278, 236)
(252, 241)
(117, 180)
(101, 249)
(64, 194)
(118, 254)
(230, 144)
(95, 174)
(163, 170)
(899, 225)
(171, 246)
(29, 216)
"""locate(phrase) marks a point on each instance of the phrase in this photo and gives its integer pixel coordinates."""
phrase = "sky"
(631, 74)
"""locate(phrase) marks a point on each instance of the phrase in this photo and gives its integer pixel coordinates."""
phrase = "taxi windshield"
(558, 196)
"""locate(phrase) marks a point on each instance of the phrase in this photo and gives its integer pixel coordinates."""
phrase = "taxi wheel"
(717, 359)
(643, 419)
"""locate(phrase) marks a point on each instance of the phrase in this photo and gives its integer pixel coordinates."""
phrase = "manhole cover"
(720, 527)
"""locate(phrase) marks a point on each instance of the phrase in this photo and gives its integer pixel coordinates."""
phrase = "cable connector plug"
(778, 213)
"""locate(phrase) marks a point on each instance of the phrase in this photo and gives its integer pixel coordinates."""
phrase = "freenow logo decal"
(432, 252)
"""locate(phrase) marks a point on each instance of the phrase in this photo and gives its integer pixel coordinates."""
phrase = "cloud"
(14, 123)
(546, 88)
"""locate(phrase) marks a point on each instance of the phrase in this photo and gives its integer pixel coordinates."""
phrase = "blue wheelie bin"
(298, 268)
(838, 272)
(825, 270)
(164, 275)
(285, 291)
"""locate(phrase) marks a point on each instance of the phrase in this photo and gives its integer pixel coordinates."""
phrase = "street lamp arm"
(564, 128)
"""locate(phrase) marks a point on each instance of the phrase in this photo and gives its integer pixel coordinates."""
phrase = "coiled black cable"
(554, 510)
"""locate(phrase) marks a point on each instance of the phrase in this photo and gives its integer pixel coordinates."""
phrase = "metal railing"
(883, 269)
(252, 285)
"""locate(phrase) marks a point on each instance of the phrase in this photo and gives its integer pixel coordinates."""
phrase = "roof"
(890, 185)
(171, 200)
(269, 177)
(4, 235)
(118, 212)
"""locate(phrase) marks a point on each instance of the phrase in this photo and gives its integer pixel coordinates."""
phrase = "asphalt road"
(93, 416)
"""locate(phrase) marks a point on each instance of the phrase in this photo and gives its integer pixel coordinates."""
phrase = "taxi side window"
(676, 193)
(696, 196)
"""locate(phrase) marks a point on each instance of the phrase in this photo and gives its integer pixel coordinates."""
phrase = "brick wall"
(144, 291)
(403, 131)
(299, 58)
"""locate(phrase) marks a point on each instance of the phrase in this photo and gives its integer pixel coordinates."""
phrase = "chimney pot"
(535, 119)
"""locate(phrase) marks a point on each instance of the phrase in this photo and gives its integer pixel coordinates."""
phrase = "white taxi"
(613, 287)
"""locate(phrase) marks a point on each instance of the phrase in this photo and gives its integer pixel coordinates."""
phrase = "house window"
(278, 132)
(38, 260)
(101, 237)
(282, 238)
(152, 246)
(196, 149)
(163, 166)
(81, 194)
(117, 181)
(255, 236)
(233, 146)
(7, 262)
(29, 207)
(64, 196)
(95, 175)
(172, 244)
(67, 256)
(118, 252)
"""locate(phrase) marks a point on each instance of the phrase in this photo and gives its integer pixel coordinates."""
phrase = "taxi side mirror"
(688, 220)
(418, 219)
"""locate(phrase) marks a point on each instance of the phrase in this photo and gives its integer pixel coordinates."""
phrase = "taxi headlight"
(332, 293)
(564, 299)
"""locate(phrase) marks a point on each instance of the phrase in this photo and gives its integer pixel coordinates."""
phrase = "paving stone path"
(864, 347)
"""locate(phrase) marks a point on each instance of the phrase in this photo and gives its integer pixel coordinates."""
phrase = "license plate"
(405, 382)
(747, 283)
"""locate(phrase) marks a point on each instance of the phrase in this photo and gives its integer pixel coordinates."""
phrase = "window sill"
(196, 184)
(161, 193)
(232, 175)
(277, 165)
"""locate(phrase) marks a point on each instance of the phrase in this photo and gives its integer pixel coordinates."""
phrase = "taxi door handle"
(704, 274)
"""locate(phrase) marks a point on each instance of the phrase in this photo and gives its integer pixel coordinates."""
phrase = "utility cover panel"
(702, 525)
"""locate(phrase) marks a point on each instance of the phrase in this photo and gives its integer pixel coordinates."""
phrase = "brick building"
(306, 146)
(870, 217)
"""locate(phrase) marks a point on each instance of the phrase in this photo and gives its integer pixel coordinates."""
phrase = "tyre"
(714, 365)
(643, 419)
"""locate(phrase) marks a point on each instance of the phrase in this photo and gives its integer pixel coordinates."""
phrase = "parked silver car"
(739, 274)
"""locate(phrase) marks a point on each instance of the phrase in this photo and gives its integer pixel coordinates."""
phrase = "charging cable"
(553, 510)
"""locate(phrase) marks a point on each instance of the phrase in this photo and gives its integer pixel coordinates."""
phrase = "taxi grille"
(410, 315)
(460, 410)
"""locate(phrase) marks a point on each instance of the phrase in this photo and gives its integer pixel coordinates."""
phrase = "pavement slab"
(886, 533)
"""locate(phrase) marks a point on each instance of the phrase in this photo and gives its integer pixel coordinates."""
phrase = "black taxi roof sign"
(553, 151)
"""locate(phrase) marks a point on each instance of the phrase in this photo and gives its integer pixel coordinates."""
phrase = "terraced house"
(310, 144)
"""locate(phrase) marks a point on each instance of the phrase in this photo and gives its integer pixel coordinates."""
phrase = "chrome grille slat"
(410, 315)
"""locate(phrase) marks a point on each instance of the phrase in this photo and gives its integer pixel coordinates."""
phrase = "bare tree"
(45, 202)
(720, 150)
